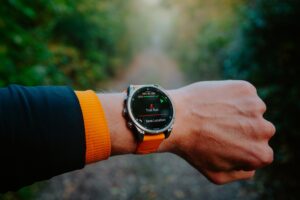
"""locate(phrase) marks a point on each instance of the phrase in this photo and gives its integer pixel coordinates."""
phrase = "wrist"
(122, 139)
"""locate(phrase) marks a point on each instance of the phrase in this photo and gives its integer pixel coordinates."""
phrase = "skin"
(219, 129)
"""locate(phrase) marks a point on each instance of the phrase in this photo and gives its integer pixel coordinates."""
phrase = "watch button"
(124, 112)
(129, 124)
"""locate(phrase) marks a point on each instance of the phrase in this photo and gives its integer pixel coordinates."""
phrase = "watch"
(150, 114)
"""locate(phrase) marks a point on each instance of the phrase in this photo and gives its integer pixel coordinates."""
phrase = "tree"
(74, 42)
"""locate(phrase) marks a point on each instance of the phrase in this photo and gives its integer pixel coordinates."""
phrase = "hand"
(220, 130)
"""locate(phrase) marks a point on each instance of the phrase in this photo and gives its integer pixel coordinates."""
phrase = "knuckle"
(262, 107)
(248, 87)
(252, 103)
(266, 128)
(261, 157)
(270, 129)
(256, 106)
(267, 157)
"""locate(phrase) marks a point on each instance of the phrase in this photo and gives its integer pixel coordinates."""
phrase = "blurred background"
(105, 45)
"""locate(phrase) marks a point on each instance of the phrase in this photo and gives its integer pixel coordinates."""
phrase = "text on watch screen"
(151, 108)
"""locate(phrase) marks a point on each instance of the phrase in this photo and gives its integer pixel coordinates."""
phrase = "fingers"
(220, 178)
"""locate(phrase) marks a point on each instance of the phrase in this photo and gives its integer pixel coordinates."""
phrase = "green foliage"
(209, 27)
(267, 54)
(71, 42)
(204, 63)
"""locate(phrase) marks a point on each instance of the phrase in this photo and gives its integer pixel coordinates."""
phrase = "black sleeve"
(41, 134)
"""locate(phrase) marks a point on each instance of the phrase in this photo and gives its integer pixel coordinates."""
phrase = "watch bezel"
(133, 89)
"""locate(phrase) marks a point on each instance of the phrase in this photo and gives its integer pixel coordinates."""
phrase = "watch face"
(152, 108)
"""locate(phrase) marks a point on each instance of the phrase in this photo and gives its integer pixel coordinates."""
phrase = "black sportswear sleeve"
(41, 134)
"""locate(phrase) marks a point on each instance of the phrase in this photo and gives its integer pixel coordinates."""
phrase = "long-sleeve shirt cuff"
(97, 137)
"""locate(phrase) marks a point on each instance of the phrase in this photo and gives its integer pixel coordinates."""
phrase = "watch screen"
(151, 108)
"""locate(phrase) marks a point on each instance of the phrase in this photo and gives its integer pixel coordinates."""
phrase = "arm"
(41, 134)
(219, 129)
(46, 131)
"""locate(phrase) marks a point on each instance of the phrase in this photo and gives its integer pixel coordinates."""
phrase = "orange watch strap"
(150, 143)
(97, 137)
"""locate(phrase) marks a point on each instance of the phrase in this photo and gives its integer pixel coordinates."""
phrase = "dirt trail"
(150, 66)
(160, 176)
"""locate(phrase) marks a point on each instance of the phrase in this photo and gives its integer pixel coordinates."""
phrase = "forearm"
(41, 134)
(219, 128)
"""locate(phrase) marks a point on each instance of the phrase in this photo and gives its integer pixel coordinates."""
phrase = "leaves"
(58, 42)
